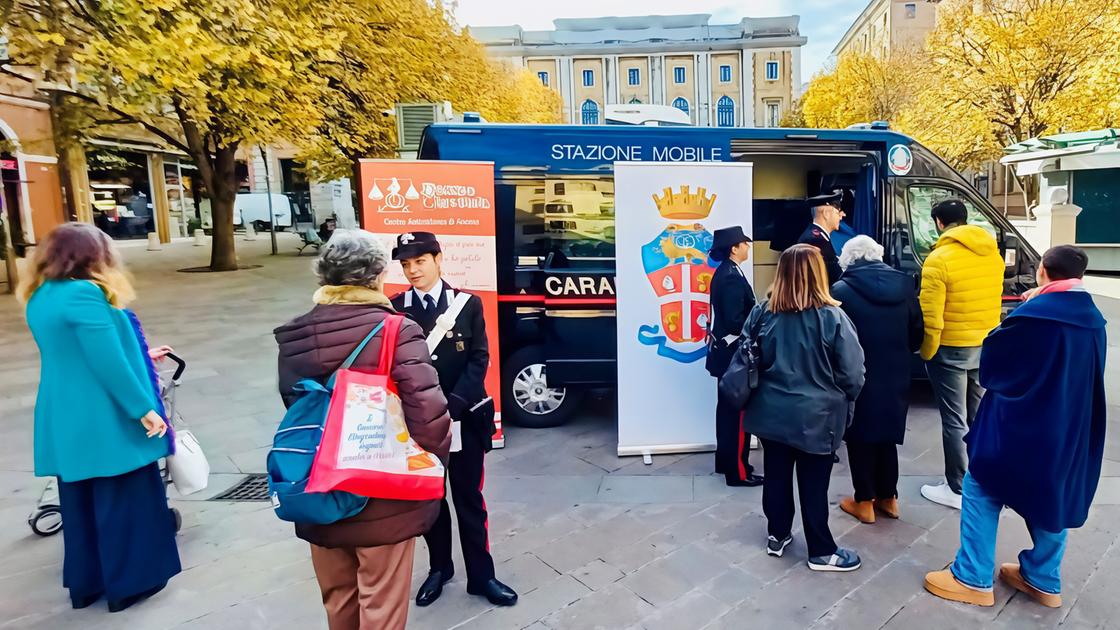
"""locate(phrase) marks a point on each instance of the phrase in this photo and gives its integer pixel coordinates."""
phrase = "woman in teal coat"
(98, 427)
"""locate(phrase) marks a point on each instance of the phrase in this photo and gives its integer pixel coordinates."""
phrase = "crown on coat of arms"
(685, 204)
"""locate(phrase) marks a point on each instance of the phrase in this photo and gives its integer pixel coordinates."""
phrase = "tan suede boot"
(944, 585)
(864, 511)
(1011, 576)
(889, 507)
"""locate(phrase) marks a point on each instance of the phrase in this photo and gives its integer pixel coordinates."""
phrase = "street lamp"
(268, 189)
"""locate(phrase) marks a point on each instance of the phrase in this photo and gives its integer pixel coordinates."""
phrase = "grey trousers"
(955, 376)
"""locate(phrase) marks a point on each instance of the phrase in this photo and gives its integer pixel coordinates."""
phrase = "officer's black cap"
(825, 199)
(724, 239)
(414, 244)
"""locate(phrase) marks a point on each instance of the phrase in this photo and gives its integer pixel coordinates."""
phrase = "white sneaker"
(942, 495)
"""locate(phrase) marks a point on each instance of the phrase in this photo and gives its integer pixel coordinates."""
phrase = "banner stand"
(663, 233)
(454, 201)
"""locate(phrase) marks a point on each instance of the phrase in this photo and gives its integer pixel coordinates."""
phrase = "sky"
(822, 21)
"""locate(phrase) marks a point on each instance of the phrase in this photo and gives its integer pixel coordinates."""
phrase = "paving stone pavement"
(588, 539)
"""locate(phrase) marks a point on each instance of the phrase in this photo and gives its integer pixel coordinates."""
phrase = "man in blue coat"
(1038, 439)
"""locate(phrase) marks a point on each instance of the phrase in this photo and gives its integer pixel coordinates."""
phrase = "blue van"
(555, 215)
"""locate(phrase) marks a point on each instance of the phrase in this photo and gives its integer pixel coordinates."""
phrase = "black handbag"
(481, 419)
(741, 377)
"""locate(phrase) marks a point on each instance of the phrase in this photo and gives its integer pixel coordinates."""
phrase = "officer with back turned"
(461, 358)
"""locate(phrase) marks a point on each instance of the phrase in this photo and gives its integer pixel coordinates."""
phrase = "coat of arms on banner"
(680, 274)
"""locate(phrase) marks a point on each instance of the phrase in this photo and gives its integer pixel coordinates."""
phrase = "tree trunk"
(223, 194)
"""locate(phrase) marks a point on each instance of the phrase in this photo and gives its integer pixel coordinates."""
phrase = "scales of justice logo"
(387, 194)
(680, 274)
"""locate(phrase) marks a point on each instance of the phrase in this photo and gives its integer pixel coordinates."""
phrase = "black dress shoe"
(499, 594)
(84, 601)
(128, 602)
(752, 481)
(432, 587)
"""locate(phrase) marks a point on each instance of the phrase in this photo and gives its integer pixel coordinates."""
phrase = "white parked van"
(253, 207)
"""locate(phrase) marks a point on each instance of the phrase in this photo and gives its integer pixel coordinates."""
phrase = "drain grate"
(251, 488)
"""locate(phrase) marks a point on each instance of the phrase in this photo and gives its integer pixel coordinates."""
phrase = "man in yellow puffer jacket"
(962, 284)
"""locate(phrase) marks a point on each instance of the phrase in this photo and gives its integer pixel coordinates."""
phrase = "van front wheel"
(528, 400)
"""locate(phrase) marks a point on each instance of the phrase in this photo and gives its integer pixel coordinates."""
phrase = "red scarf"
(1060, 286)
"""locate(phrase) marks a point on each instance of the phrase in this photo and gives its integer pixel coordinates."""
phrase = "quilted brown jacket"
(313, 346)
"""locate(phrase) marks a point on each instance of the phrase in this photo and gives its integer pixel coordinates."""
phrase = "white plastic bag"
(189, 469)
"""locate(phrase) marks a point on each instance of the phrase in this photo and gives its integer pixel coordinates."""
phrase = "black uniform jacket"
(815, 236)
(462, 356)
(732, 299)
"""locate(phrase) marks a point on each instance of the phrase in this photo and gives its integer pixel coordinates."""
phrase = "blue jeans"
(975, 564)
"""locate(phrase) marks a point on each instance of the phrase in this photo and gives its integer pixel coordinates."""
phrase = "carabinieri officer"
(732, 299)
(826, 220)
(461, 359)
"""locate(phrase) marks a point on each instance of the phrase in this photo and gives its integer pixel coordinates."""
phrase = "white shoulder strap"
(446, 321)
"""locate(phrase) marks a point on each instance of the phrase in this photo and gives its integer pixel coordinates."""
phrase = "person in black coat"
(732, 299)
(883, 304)
(826, 220)
(461, 360)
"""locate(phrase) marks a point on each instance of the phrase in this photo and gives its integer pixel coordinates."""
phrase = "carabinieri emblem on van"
(680, 275)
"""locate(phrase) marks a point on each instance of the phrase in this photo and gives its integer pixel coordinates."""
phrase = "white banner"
(666, 216)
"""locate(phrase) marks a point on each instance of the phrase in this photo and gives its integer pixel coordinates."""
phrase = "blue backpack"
(293, 452)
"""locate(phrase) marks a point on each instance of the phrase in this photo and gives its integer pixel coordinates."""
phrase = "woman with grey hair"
(364, 563)
(883, 305)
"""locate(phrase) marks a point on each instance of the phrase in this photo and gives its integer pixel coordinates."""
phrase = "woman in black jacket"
(883, 305)
(810, 372)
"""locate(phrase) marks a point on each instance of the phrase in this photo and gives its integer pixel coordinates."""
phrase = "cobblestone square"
(588, 539)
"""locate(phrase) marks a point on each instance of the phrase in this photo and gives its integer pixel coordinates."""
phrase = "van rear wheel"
(527, 398)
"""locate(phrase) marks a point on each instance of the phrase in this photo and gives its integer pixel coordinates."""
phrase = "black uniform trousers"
(732, 444)
(813, 473)
(874, 467)
(119, 535)
(466, 476)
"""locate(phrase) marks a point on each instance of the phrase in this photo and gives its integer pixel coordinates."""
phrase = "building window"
(678, 74)
(543, 76)
(635, 101)
(725, 74)
(634, 76)
(911, 11)
(725, 112)
(771, 70)
(588, 78)
(681, 104)
(590, 111)
(773, 114)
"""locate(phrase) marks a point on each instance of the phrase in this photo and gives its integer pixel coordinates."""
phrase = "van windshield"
(920, 199)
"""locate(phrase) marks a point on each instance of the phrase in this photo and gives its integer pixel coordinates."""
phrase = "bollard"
(199, 238)
(153, 242)
(250, 233)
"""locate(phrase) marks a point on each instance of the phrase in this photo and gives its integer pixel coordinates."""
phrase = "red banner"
(454, 201)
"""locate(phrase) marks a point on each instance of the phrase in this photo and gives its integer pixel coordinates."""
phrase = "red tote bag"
(366, 448)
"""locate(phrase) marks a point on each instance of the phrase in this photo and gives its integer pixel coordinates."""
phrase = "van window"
(920, 198)
(568, 221)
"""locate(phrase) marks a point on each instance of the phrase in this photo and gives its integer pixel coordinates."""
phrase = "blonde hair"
(801, 282)
(78, 251)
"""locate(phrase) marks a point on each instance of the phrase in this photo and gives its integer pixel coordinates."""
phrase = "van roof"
(764, 133)
(528, 145)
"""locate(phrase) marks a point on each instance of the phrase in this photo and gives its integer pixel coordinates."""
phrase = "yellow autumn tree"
(409, 51)
(205, 77)
(1003, 71)
(861, 87)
